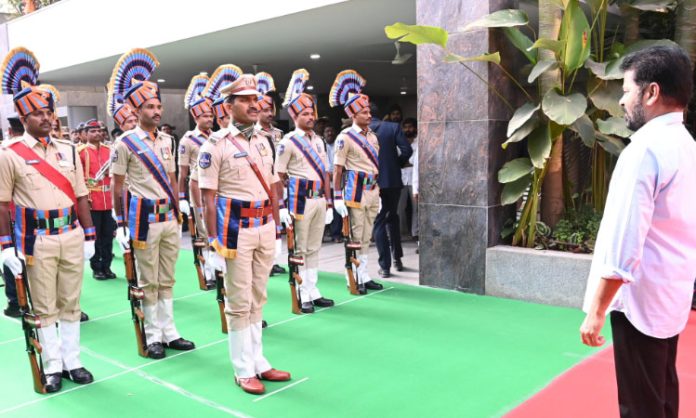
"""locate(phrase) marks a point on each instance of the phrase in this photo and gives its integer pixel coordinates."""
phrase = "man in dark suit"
(394, 152)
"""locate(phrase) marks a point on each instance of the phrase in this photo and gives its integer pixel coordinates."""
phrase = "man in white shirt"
(644, 261)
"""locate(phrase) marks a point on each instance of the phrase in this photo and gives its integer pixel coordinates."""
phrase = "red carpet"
(589, 388)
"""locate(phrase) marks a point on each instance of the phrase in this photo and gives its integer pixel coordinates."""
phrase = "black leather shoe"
(307, 307)
(80, 376)
(109, 274)
(384, 274)
(12, 310)
(264, 324)
(84, 317)
(398, 265)
(180, 344)
(53, 382)
(323, 302)
(373, 285)
(361, 289)
(155, 351)
(100, 275)
(277, 270)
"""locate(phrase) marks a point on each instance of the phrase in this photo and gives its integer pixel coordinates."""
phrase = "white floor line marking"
(11, 341)
(167, 385)
(132, 369)
(281, 389)
(128, 310)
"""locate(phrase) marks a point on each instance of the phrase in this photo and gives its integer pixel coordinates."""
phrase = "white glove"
(329, 216)
(184, 207)
(11, 260)
(89, 249)
(122, 237)
(285, 218)
(113, 215)
(215, 262)
(341, 208)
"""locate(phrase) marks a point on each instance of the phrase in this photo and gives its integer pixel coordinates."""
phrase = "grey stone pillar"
(461, 126)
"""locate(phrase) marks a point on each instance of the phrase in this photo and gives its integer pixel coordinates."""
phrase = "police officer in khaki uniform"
(236, 177)
(356, 166)
(152, 221)
(43, 177)
(268, 108)
(302, 165)
(201, 110)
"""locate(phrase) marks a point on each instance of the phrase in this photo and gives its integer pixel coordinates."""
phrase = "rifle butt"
(220, 285)
(294, 300)
(140, 338)
(37, 375)
(352, 283)
(201, 277)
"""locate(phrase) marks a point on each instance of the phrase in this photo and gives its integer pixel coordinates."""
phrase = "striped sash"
(355, 183)
(230, 221)
(30, 223)
(364, 144)
(148, 157)
(198, 140)
(143, 212)
(298, 189)
(310, 154)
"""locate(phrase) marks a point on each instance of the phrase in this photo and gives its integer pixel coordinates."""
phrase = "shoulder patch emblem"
(281, 149)
(340, 143)
(204, 160)
(182, 149)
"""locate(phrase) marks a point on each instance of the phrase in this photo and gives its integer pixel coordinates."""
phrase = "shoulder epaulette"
(11, 141)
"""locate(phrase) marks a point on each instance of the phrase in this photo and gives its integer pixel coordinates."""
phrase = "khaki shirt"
(222, 167)
(188, 149)
(22, 183)
(351, 156)
(275, 134)
(140, 182)
(292, 161)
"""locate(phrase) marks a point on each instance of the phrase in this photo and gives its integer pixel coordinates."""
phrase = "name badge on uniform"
(31, 162)
(166, 154)
(241, 154)
(262, 149)
(62, 161)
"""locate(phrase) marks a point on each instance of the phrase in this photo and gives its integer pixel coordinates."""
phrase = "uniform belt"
(315, 194)
(256, 212)
(45, 220)
(104, 188)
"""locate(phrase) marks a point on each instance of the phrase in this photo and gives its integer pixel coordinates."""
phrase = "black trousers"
(103, 248)
(646, 372)
(386, 228)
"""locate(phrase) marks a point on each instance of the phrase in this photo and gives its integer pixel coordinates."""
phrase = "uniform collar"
(358, 129)
(143, 134)
(646, 132)
(303, 134)
(198, 132)
(31, 141)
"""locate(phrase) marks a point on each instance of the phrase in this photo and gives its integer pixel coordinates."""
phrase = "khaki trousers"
(362, 219)
(155, 264)
(55, 278)
(309, 232)
(247, 275)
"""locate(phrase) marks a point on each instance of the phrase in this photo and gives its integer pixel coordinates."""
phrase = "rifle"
(30, 323)
(197, 244)
(294, 261)
(220, 296)
(135, 296)
(351, 258)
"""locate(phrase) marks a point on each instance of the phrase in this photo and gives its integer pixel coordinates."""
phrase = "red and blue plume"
(264, 83)
(136, 65)
(113, 100)
(223, 75)
(195, 89)
(20, 69)
(298, 80)
(347, 84)
(51, 89)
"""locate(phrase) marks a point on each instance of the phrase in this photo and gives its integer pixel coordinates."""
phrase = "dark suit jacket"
(391, 138)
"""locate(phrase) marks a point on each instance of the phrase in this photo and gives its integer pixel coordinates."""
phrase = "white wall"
(76, 31)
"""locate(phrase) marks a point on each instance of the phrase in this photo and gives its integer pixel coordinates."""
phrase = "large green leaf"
(614, 126)
(660, 6)
(521, 42)
(499, 19)
(494, 58)
(540, 68)
(539, 145)
(575, 31)
(521, 115)
(645, 43)
(522, 132)
(513, 170)
(512, 192)
(611, 144)
(564, 110)
(585, 128)
(605, 70)
(417, 34)
(550, 44)
(606, 96)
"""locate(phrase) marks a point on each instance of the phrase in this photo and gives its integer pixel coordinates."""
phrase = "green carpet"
(403, 352)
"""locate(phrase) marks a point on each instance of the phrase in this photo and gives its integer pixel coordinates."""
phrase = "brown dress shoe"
(250, 385)
(274, 375)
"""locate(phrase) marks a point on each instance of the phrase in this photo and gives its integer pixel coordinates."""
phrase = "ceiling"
(346, 35)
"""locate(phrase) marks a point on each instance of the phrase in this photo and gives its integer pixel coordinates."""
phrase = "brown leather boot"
(274, 375)
(250, 385)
